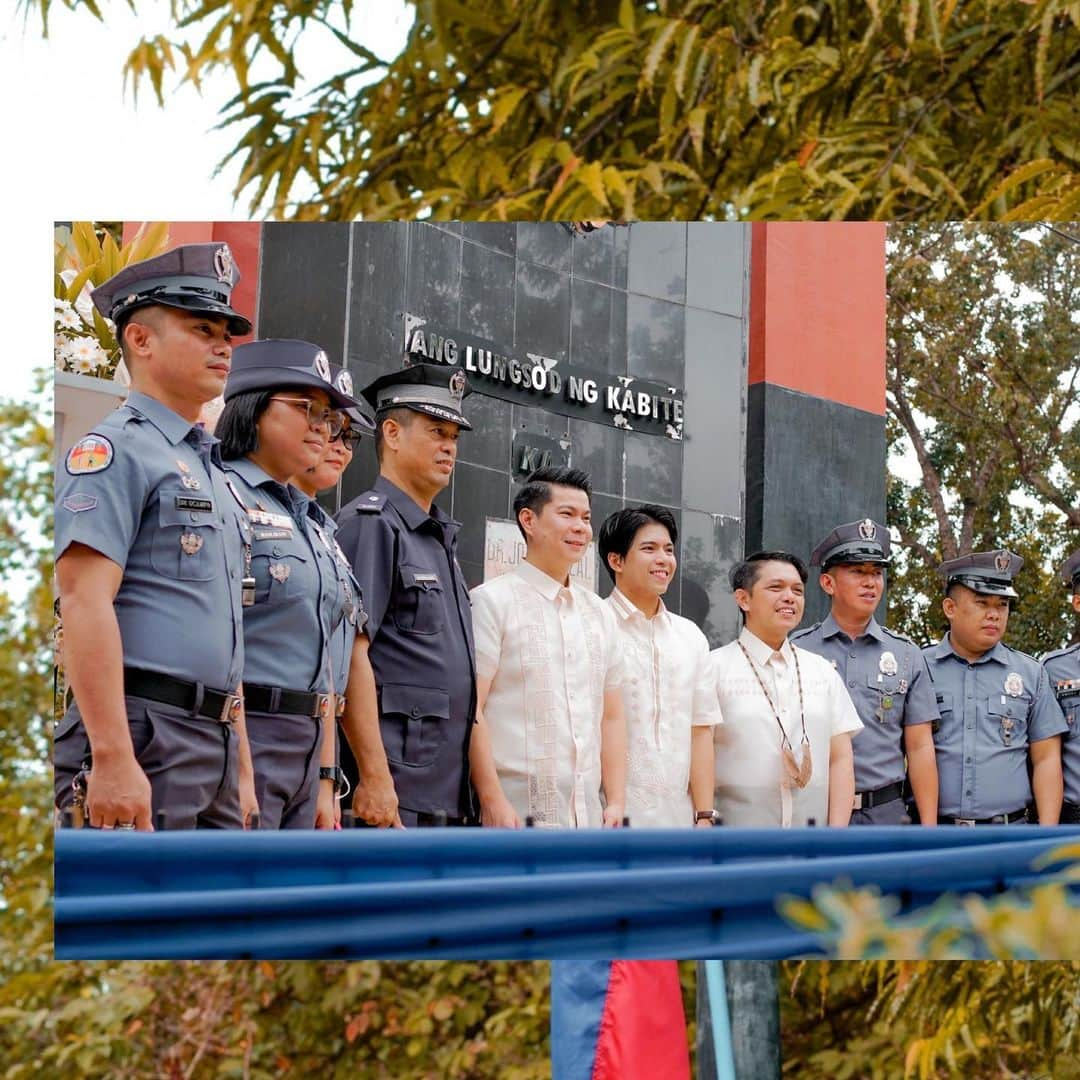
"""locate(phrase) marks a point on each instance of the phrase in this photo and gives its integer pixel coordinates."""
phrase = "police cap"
(427, 388)
(192, 277)
(856, 542)
(987, 572)
(276, 363)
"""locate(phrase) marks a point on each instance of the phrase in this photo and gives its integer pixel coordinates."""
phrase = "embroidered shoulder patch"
(92, 454)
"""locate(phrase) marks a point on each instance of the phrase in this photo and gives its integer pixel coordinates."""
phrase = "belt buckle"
(231, 709)
(322, 706)
(970, 822)
(856, 802)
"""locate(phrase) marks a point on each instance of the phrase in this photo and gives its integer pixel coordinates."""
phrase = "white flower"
(67, 317)
(86, 353)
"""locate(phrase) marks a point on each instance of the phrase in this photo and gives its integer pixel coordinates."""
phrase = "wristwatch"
(706, 815)
(332, 772)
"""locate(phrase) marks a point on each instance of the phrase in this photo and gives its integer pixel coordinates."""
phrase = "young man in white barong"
(669, 694)
(549, 743)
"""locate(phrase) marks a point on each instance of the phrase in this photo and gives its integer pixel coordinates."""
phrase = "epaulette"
(371, 502)
(796, 634)
(1055, 653)
(896, 634)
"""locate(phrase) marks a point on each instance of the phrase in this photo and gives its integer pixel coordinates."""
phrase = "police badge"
(887, 663)
(1014, 684)
(280, 571)
(191, 543)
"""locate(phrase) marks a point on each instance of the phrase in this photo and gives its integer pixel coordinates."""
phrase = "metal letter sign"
(621, 401)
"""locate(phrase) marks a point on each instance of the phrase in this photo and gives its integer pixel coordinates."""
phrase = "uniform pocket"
(1009, 719)
(419, 603)
(414, 722)
(188, 544)
(945, 707)
(279, 575)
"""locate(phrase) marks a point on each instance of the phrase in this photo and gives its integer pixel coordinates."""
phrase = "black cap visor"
(985, 586)
(191, 302)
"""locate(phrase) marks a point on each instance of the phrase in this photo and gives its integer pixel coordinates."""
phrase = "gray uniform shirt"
(990, 711)
(297, 591)
(422, 654)
(886, 676)
(1063, 670)
(160, 510)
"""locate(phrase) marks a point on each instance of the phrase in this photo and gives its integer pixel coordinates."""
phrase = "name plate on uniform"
(200, 506)
(504, 549)
(528, 378)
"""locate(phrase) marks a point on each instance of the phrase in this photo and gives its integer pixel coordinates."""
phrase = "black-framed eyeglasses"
(348, 436)
(317, 415)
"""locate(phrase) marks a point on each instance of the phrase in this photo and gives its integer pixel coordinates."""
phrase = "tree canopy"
(515, 109)
(983, 389)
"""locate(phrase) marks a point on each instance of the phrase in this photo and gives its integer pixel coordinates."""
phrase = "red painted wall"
(243, 238)
(817, 310)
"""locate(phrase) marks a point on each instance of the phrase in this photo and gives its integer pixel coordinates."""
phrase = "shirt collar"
(759, 651)
(255, 476)
(412, 513)
(171, 424)
(543, 583)
(627, 609)
(945, 648)
(830, 628)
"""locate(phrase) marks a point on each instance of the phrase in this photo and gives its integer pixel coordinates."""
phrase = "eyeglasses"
(349, 437)
(318, 415)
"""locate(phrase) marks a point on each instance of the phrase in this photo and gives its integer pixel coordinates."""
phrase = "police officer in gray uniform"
(412, 749)
(280, 409)
(997, 706)
(1063, 670)
(149, 560)
(885, 674)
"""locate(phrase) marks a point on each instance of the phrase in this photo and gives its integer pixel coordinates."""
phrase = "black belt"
(274, 699)
(866, 800)
(1070, 813)
(193, 697)
(997, 819)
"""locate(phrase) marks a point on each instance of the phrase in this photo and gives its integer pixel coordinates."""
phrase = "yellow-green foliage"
(889, 109)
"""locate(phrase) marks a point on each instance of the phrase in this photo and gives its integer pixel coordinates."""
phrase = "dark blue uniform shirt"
(421, 644)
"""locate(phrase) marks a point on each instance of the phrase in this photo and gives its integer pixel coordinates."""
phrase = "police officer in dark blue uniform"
(885, 674)
(412, 744)
(998, 713)
(1063, 670)
(149, 561)
(280, 410)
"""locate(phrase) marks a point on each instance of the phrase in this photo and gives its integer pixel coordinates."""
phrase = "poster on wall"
(504, 548)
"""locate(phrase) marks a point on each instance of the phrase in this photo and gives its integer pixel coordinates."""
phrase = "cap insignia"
(223, 265)
(345, 383)
(322, 366)
(867, 529)
(1002, 562)
(457, 383)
